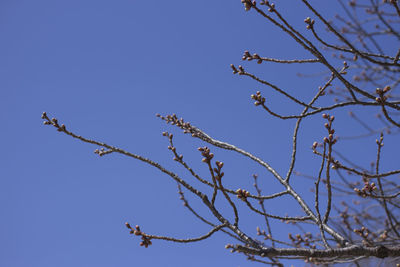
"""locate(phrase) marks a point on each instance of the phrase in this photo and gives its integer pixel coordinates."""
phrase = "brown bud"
(386, 89)
(314, 145)
(234, 69)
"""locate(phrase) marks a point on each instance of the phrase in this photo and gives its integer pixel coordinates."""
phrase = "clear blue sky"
(104, 68)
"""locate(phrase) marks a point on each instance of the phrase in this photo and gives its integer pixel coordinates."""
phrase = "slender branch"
(230, 202)
(172, 239)
(286, 218)
(321, 91)
(388, 214)
(201, 218)
(261, 202)
(317, 200)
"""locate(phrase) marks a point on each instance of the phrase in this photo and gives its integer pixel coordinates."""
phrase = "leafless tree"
(355, 211)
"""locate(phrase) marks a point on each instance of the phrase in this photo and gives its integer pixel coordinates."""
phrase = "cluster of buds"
(247, 56)
(328, 125)
(248, 4)
(344, 69)
(383, 236)
(270, 5)
(379, 141)
(54, 122)
(310, 23)
(367, 189)
(242, 194)
(363, 232)
(146, 241)
(205, 152)
(231, 247)
(259, 99)
(381, 94)
(218, 173)
(239, 70)
(300, 240)
(45, 117)
(173, 119)
(172, 148)
(263, 233)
